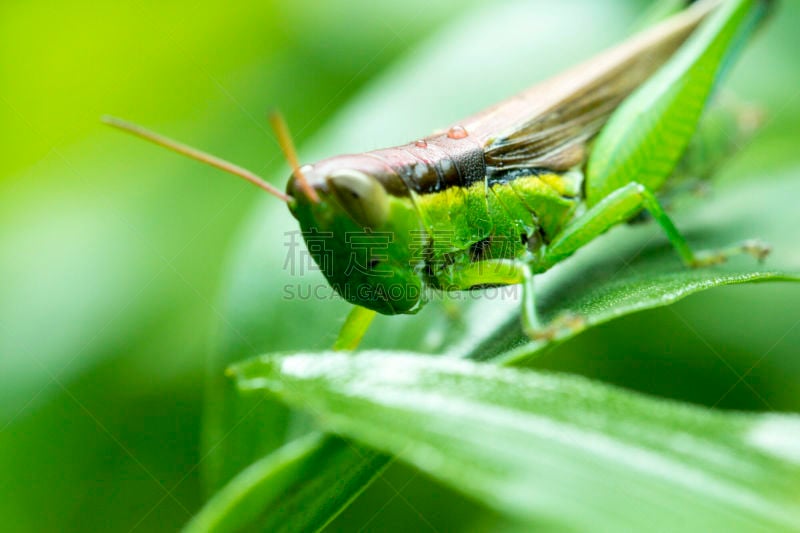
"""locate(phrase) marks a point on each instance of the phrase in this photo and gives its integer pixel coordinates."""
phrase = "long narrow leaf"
(552, 449)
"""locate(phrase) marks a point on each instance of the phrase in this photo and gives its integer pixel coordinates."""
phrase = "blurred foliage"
(111, 252)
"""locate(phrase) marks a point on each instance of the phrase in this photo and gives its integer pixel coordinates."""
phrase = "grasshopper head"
(357, 219)
(361, 234)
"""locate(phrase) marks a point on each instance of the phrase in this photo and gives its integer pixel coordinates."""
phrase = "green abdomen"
(503, 217)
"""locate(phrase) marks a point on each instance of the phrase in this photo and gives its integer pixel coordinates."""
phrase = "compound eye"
(361, 195)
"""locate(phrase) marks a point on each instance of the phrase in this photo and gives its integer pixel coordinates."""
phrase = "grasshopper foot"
(562, 324)
(709, 258)
(758, 249)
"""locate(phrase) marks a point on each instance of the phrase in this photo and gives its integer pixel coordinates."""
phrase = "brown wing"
(549, 125)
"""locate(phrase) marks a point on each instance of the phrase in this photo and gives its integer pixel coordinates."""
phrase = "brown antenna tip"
(281, 130)
(195, 154)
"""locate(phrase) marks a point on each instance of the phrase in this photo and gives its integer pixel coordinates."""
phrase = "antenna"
(281, 130)
(193, 153)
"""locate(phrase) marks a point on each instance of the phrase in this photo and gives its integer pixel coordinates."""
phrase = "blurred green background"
(112, 253)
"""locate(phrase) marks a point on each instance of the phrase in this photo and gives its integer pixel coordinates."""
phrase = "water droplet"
(422, 143)
(500, 164)
(457, 132)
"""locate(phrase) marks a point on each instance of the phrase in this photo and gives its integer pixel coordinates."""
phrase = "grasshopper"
(512, 191)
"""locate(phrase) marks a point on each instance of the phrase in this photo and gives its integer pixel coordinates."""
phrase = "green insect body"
(505, 205)
(513, 190)
(508, 219)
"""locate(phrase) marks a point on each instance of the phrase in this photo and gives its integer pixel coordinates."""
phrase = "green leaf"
(549, 449)
(282, 491)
